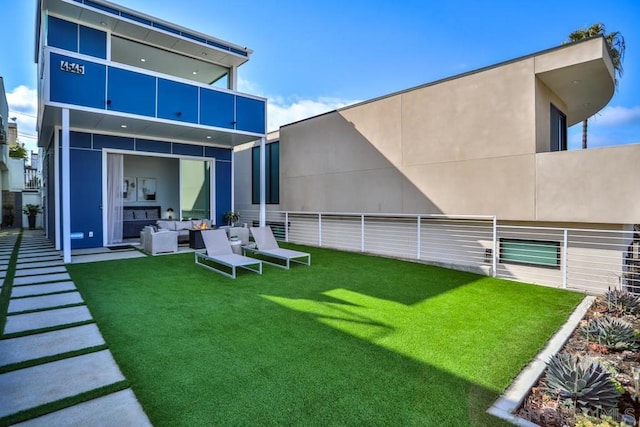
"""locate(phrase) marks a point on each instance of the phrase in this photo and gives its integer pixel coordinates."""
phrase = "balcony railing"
(32, 179)
(75, 80)
(589, 260)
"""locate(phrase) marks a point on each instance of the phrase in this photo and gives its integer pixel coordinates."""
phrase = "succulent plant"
(623, 301)
(583, 380)
(612, 332)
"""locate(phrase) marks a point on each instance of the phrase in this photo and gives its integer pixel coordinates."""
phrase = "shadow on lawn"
(351, 340)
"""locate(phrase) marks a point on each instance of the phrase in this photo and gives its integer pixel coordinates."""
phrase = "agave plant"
(582, 380)
(612, 332)
(623, 301)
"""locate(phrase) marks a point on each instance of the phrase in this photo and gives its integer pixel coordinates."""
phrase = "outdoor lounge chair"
(267, 246)
(219, 252)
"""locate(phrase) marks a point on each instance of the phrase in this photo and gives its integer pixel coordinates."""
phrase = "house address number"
(71, 67)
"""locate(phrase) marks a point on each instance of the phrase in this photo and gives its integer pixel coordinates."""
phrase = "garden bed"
(546, 405)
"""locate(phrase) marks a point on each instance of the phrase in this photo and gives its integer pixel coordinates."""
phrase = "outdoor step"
(35, 386)
(32, 347)
(39, 264)
(32, 280)
(46, 288)
(38, 271)
(44, 301)
(46, 319)
(107, 256)
(116, 409)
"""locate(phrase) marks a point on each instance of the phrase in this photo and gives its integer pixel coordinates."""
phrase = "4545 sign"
(71, 67)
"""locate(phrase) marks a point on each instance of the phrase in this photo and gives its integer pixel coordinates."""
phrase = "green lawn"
(351, 340)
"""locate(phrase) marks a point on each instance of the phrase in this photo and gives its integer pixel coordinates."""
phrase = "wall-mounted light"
(170, 213)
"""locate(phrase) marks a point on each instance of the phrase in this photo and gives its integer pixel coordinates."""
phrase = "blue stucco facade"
(80, 76)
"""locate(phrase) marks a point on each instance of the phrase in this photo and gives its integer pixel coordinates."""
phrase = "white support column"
(263, 184)
(565, 258)
(66, 193)
(233, 79)
(233, 181)
(494, 260)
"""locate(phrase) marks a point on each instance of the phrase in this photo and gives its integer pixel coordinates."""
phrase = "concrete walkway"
(50, 348)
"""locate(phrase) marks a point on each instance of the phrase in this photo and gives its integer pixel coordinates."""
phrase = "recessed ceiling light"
(104, 24)
(208, 136)
(575, 82)
(143, 60)
(195, 72)
(123, 126)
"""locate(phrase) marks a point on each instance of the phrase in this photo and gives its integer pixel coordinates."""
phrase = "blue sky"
(311, 57)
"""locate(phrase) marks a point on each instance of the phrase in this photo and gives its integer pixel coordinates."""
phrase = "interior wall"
(165, 170)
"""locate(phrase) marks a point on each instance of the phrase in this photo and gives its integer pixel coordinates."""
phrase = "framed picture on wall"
(146, 189)
(129, 193)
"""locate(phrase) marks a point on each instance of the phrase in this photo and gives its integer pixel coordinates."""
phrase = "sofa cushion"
(183, 225)
(167, 225)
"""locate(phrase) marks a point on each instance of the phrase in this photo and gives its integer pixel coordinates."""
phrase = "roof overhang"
(581, 74)
(129, 28)
(102, 122)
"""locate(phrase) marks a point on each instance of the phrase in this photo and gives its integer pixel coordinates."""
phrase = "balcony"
(146, 103)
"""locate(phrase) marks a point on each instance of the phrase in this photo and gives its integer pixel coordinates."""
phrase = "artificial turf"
(351, 340)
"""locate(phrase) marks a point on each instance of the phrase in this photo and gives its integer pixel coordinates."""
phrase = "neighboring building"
(128, 98)
(4, 141)
(488, 142)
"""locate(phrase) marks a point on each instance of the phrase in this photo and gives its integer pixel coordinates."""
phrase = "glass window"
(272, 174)
(530, 252)
(558, 129)
(195, 189)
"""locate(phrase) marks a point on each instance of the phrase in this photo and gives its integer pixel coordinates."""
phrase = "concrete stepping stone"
(46, 319)
(39, 264)
(32, 347)
(33, 254)
(46, 288)
(44, 301)
(39, 271)
(40, 259)
(31, 387)
(116, 409)
(3, 274)
(32, 280)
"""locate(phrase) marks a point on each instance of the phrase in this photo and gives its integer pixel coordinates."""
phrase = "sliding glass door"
(195, 189)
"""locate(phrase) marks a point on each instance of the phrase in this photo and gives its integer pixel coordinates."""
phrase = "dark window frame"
(272, 173)
(557, 129)
(557, 266)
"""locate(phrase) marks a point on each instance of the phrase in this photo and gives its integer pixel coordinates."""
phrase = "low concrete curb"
(515, 394)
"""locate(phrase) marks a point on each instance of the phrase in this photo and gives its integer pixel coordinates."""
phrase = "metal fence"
(32, 179)
(590, 260)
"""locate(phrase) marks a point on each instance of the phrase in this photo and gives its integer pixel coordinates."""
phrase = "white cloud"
(284, 110)
(281, 111)
(23, 104)
(617, 116)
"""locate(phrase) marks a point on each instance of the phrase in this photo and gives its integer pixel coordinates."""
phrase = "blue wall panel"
(218, 153)
(250, 114)
(78, 89)
(79, 139)
(110, 141)
(188, 150)
(153, 146)
(62, 34)
(93, 42)
(177, 101)
(131, 92)
(86, 197)
(216, 108)
(223, 190)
